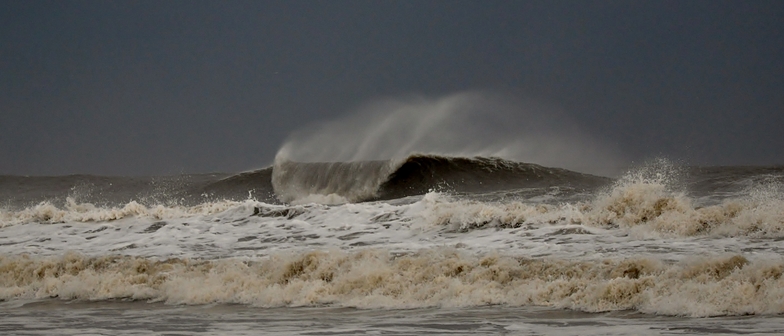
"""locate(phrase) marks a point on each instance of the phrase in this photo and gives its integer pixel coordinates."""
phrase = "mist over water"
(463, 124)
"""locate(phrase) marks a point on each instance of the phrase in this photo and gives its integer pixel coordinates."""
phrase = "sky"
(169, 87)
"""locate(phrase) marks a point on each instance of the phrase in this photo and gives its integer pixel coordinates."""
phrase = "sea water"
(489, 247)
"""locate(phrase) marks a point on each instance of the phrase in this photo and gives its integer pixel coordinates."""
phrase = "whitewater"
(470, 214)
(460, 239)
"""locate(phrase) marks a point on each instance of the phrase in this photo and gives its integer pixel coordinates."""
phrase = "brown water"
(55, 317)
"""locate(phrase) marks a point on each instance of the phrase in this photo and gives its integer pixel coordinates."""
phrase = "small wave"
(707, 286)
(73, 211)
(254, 184)
(650, 199)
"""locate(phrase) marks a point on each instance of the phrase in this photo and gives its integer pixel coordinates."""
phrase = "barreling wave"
(440, 277)
(340, 182)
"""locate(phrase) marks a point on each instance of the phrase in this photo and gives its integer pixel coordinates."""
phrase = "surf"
(464, 142)
(716, 285)
(297, 182)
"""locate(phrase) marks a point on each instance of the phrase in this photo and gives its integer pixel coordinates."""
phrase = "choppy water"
(427, 244)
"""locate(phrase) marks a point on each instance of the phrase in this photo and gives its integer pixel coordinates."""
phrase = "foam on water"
(630, 246)
(644, 206)
(633, 211)
(371, 278)
(73, 211)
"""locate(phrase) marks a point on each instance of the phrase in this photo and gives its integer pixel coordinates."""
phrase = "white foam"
(371, 278)
(634, 217)
(630, 247)
(73, 211)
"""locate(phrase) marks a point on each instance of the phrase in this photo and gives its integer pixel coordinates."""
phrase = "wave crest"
(648, 206)
(73, 211)
(415, 175)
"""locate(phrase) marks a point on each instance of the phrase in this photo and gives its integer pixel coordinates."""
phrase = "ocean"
(427, 244)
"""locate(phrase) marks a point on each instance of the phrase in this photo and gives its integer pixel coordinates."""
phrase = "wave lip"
(415, 175)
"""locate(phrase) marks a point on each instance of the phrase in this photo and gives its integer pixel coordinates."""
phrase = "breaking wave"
(706, 286)
(73, 211)
(646, 202)
(649, 202)
(643, 242)
(341, 182)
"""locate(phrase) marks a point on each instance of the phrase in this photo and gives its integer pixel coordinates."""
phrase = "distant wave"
(255, 185)
(340, 182)
(297, 182)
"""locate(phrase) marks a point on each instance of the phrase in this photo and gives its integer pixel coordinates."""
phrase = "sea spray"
(340, 182)
(348, 159)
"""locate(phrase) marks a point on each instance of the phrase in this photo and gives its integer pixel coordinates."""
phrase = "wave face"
(419, 174)
(341, 182)
(329, 182)
(661, 239)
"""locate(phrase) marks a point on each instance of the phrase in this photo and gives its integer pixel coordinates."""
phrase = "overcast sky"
(163, 87)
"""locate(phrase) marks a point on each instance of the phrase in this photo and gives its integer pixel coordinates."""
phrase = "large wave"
(340, 182)
(464, 124)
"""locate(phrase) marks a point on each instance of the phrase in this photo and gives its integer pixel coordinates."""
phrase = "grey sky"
(161, 87)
